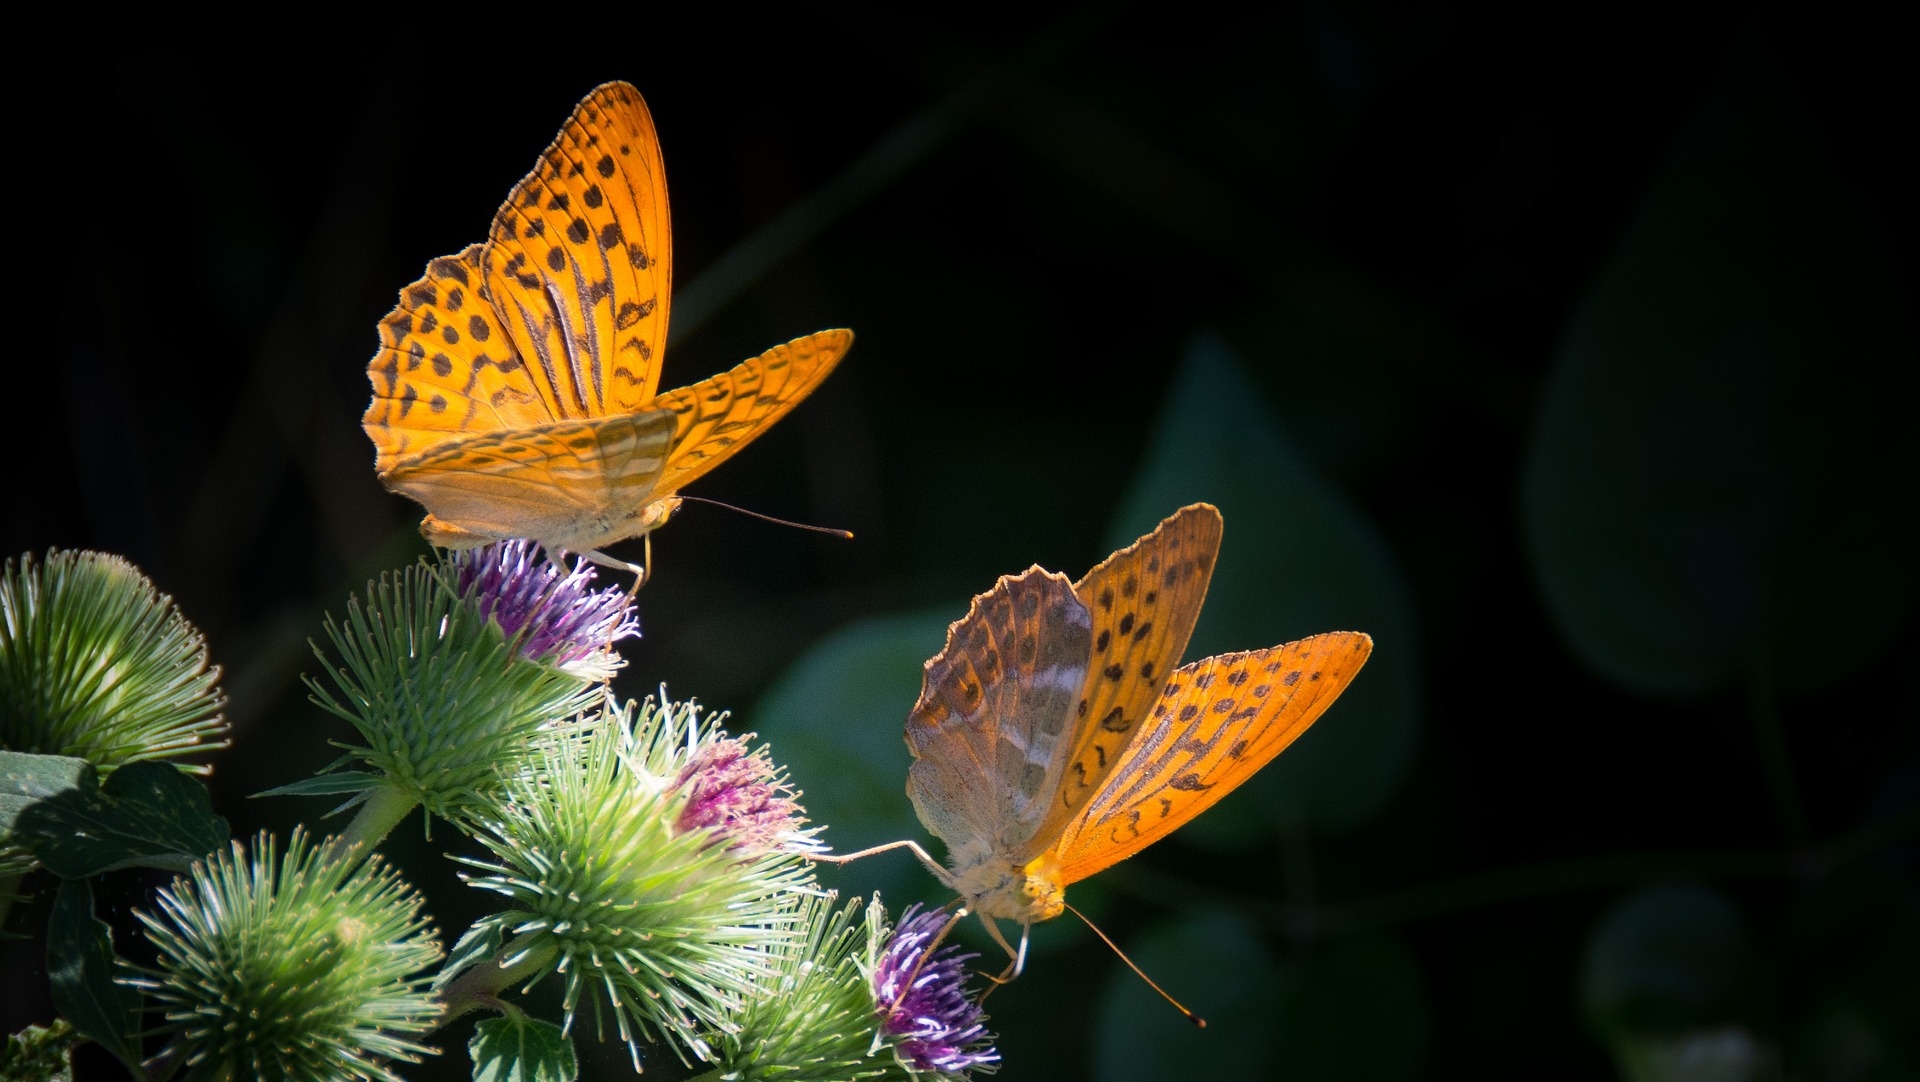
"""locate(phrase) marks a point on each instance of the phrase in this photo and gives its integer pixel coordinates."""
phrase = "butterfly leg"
(905, 843)
(1014, 967)
(639, 571)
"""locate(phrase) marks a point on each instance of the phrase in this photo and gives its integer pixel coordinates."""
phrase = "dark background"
(1579, 355)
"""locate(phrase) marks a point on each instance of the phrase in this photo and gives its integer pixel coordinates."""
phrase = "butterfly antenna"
(1191, 1017)
(769, 518)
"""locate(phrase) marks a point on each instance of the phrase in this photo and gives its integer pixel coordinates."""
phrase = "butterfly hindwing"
(717, 416)
(579, 260)
(1143, 601)
(445, 369)
(541, 482)
(1218, 721)
(989, 734)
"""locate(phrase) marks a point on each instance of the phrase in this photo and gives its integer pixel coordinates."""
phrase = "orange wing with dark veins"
(718, 416)
(989, 735)
(580, 260)
(1144, 601)
(1216, 724)
(445, 368)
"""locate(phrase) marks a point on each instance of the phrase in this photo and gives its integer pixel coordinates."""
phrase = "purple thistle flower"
(568, 624)
(941, 1023)
(740, 796)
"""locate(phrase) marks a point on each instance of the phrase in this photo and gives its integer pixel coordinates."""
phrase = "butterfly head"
(655, 515)
(1006, 891)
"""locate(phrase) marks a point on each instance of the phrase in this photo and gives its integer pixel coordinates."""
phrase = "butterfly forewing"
(1143, 601)
(717, 416)
(550, 482)
(444, 368)
(990, 732)
(580, 260)
(1218, 721)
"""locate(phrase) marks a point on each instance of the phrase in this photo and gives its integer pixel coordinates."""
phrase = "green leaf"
(517, 1048)
(1666, 961)
(1722, 1054)
(1725, 468)
(346, 781)
(147, 815)
(80, 966)
(1296, 559)
(1216, 964)
(26, 780)
(837, 720)
(1357, 1010)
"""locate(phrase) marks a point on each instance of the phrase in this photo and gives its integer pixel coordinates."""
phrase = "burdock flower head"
(443, 698)
(307, 967)
(561, 619)
(616, 879)
(97, 664)
(924, 1004)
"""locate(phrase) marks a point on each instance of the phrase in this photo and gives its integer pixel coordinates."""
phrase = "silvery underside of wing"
(558, 483)
(991, 733)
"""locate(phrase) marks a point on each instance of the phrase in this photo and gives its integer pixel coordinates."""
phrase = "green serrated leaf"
(146, 815)
(350, 781)
(517, 1048)
(26, 780)
(80, 967)
(1296, 559)
(1725, 469)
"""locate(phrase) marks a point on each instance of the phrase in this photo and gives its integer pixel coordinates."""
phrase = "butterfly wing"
(580, 261)
(718, 416)
(558, 483)
(1143, 601)
(1217, 722)
(989, 734)
(445, 368)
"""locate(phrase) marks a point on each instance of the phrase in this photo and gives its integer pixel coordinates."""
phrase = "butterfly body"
(515, 392)
(1055, 734)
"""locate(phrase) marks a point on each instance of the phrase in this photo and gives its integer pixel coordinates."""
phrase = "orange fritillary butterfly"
(1054, 735)
(514, 389)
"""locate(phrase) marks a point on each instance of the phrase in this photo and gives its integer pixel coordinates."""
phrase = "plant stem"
(381, 812)
(481, 985)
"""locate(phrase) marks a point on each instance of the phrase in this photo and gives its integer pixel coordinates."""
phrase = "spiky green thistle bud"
(305, 968)
(640, 912)
(447, 704)
(97, 664)
(814, 1019)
